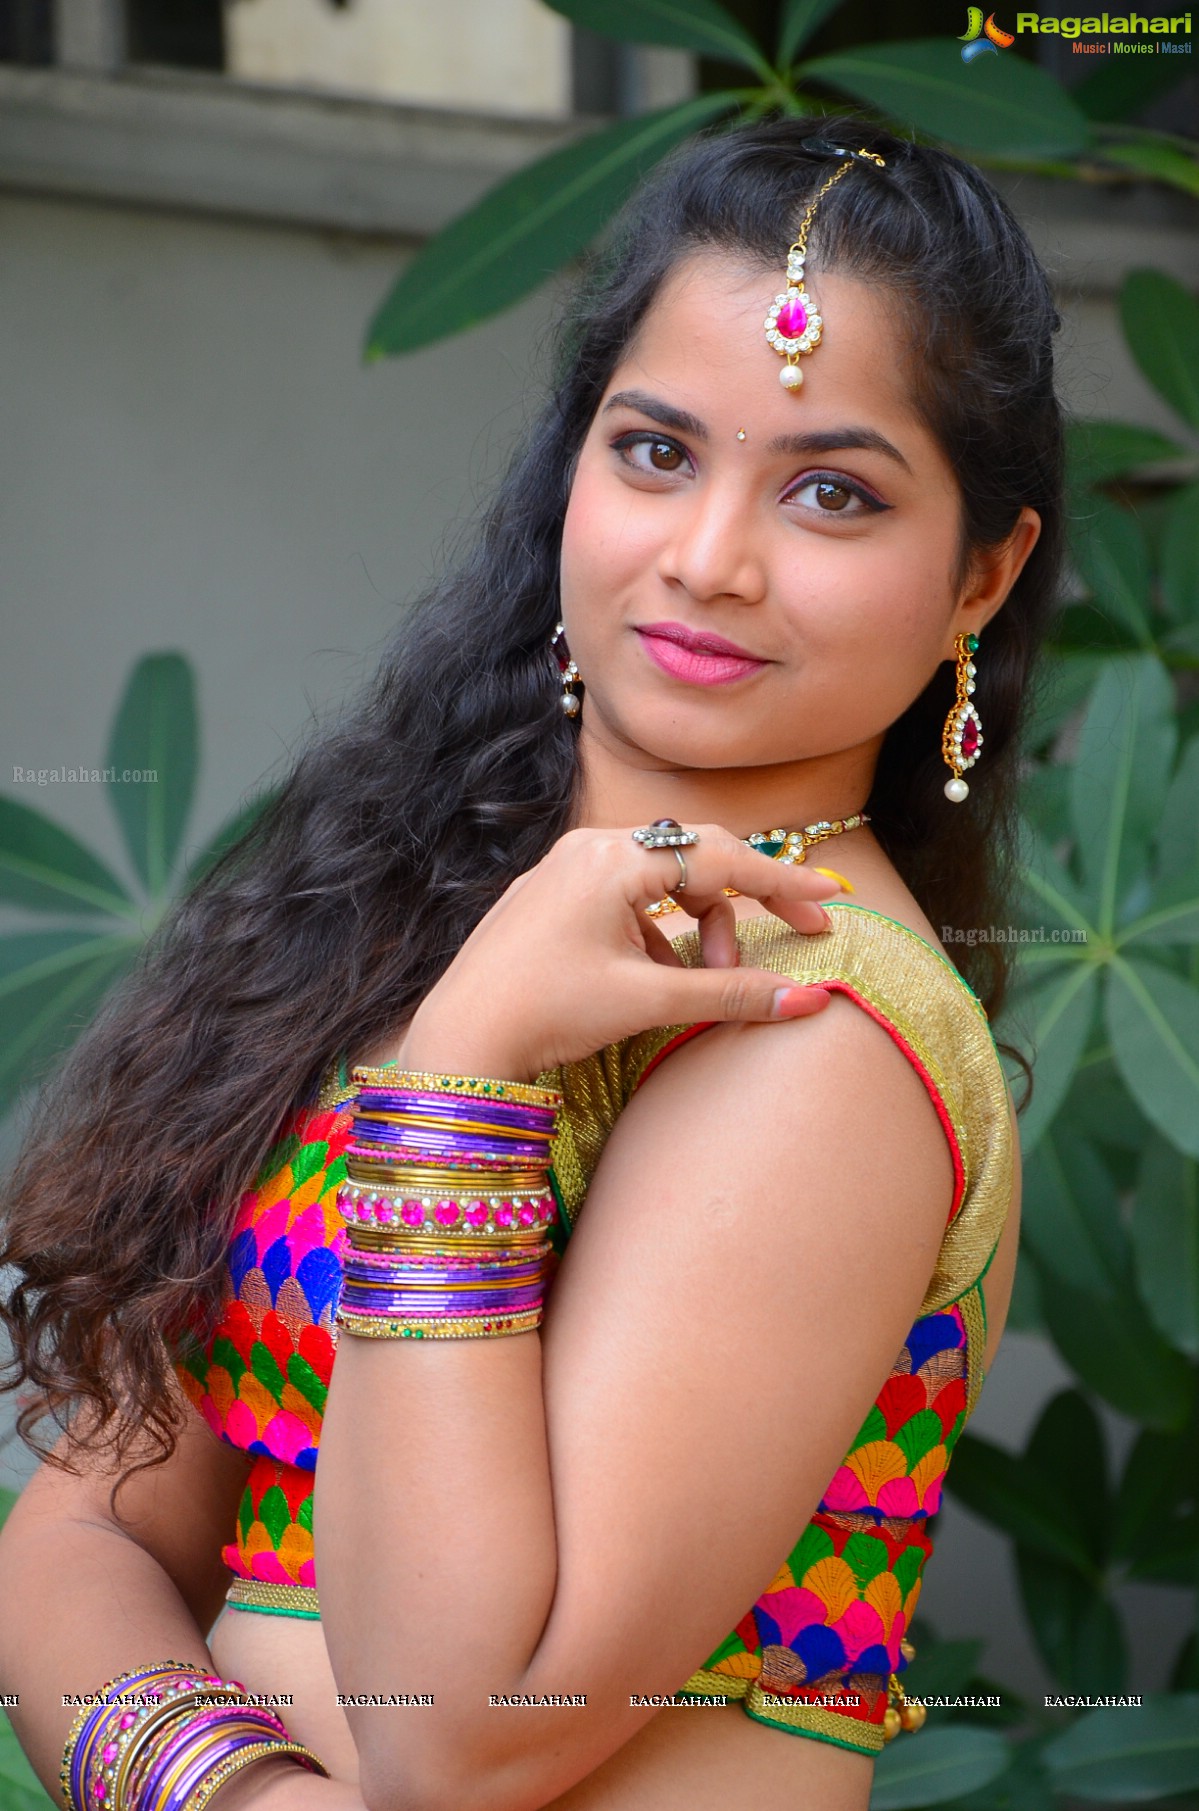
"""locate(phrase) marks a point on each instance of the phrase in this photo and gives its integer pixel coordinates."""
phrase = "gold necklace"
(781, 845)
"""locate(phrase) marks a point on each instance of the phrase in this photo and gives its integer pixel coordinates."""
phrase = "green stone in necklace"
(781, 845)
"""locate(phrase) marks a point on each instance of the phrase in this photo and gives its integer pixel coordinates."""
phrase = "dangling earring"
(962, 736)
(571, 704)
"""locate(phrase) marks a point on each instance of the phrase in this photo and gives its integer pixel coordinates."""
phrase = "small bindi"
(741, 433)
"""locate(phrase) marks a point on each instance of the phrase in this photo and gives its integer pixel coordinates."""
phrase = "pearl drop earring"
(571, 704)
(962, 737)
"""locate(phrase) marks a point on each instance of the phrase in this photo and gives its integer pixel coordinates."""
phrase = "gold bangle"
(209, 1739)
(158, 1720)
(370, 1326)
(244, 1756)
(474, 1087)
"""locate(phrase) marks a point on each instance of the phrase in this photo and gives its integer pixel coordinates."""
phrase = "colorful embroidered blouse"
(830, 1622)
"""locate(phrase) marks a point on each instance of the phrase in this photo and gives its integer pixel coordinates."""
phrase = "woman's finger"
(748, 995)
(718, 934)
(659, 946)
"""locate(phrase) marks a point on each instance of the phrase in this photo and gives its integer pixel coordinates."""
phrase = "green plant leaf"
(699, 25)
(1024, 1787)
(1161, 325)
(1048, 888)
(1155, 1501)
(20, 1788)
(1120, 778)
(941, 1668)
(1076, 1628)
(1071, 1215)
(1001, 105)
(943, 1764)
(1160, 162)
(230, 832)
(155, 731)
(51, 983)
(1112, 554)
(45, 868)
(801, 20)
(1113, 1346)
(1123, 86)
(1171, 914)
(1165, 1242)
(7, 1499)
(1059, 1008)
(1067, 1446)
(1178, 827)
(1065, 679)
(1098, 451)
(527, 227)
(1130, 1755)
(1045, 796)
(1004, 1489)
(1180, 557)
(1153, 1023)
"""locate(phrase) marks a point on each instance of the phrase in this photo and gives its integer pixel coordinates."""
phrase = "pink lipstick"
(698, 659)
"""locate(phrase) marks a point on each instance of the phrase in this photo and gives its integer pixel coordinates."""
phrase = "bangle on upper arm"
(447, 1204)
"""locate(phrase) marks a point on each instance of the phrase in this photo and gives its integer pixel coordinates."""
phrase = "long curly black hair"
(456, 770)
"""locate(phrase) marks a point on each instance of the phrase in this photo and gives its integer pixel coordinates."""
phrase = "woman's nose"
(712, 549)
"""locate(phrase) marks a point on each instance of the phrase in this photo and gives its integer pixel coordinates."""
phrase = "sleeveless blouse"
(812, 1655)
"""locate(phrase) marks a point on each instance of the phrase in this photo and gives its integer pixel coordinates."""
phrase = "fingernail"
(845, 885)
(788, 1001)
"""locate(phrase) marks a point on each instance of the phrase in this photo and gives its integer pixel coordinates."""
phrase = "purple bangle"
(357, 1300)
(475, 1264)
(374, 1266)
(176, 1799)
(501, 1114)
(254, 1723)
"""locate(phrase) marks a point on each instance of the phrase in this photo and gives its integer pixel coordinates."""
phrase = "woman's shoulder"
(902, 978)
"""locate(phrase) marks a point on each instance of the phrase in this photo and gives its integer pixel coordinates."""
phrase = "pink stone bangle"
(468, 1214)
(101, 1734)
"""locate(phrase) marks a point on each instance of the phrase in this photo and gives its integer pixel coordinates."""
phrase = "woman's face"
(817, 531)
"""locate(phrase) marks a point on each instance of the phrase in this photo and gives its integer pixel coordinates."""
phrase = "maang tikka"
(962, 737)
(794, 325)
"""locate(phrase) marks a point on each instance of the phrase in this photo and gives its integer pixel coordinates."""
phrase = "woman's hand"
(566, 960)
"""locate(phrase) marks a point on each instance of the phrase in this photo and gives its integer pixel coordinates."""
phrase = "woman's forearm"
(438, 1554)
(84, 1603)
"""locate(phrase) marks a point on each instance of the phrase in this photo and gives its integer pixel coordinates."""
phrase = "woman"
(699, 1474)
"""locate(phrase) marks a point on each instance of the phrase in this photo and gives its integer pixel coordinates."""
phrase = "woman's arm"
(87, 1597)
(593, 1508)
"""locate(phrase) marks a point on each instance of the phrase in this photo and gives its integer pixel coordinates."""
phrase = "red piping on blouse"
(959, 1168)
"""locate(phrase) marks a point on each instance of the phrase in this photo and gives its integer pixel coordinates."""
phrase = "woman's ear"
(993, 572)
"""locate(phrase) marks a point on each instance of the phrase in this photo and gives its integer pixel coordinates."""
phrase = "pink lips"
(698, 659)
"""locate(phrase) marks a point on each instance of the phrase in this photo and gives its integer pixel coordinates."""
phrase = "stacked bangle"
(447, 1204)
(165, 1738)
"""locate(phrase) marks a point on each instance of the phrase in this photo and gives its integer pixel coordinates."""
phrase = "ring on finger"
(664, 833)
(680, 886)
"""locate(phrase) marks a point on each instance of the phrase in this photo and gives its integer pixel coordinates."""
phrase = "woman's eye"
(833, 496)
(648, 453)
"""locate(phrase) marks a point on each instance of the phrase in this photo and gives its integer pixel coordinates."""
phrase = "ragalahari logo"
(983, 39)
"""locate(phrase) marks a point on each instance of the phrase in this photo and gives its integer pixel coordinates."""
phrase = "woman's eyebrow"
(835, 440)
(661, 412)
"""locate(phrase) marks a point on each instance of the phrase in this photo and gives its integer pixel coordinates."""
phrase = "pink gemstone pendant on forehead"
(793, 325)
